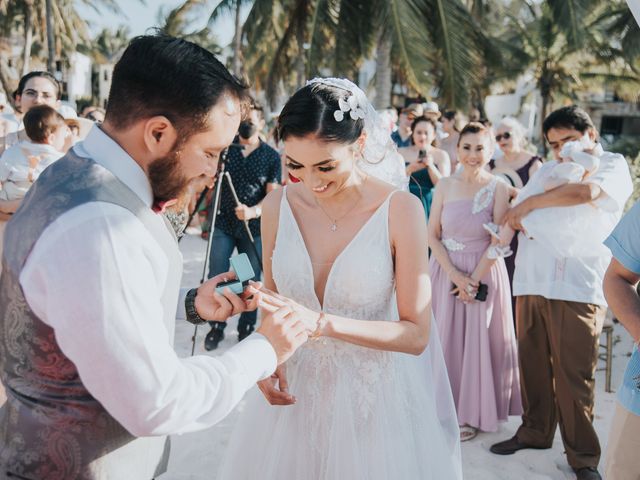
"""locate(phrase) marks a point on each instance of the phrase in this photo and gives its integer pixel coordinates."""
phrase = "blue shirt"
(624, 243)
(400, 143)
(250, 176)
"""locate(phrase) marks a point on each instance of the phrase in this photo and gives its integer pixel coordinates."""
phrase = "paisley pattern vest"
(51, 427)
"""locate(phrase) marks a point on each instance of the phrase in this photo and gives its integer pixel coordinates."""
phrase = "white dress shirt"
(574, 279)
(95, 276)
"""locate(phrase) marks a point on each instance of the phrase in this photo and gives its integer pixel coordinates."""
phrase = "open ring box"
(241, 265)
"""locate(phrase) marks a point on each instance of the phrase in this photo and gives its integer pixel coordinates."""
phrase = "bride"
(367, 397)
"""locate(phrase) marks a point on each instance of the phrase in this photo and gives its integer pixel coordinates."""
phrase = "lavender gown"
(477, 339)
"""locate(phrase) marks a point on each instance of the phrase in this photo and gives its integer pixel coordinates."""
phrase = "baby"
(21, 164)
(575, 167)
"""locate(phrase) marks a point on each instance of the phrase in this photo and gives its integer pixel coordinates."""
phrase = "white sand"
(196, 456)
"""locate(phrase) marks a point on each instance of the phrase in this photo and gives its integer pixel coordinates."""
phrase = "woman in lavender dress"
(477, 336)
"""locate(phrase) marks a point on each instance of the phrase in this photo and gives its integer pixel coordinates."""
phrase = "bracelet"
(190, 308)
(318, 331)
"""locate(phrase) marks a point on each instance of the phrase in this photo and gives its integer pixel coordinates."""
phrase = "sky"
(139, 15)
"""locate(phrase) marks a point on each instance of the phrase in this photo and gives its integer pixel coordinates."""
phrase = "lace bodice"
(360, 283)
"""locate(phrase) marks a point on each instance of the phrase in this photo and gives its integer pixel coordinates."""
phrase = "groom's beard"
(166, 179)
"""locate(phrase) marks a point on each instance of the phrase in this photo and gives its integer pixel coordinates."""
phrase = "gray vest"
(51, 427)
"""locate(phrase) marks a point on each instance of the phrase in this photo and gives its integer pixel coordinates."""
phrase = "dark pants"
(558, 353)
(222, 246)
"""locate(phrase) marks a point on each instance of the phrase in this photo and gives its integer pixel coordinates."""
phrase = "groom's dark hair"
(163, 75)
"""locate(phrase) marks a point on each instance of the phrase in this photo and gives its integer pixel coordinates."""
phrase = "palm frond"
(571, 16)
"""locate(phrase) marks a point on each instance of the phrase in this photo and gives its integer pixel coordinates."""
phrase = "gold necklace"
(334, 222)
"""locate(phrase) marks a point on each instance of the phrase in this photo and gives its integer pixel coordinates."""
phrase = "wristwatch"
(258, 210)
(190, 308)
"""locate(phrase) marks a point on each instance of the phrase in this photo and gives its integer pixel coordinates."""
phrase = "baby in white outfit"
(575, 167)
(21, 164)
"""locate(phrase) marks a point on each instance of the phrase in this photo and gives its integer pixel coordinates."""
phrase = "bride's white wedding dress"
(360, 413)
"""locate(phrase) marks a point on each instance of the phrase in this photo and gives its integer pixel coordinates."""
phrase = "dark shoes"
(216, 335)
(213, 338)
(511, 446)
(587, 473)
(244, 333)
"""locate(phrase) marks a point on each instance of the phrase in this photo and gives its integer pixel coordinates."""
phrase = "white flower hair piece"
(380, 157)
(349, 105)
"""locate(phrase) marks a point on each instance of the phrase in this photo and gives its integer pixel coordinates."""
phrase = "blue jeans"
(222, 246)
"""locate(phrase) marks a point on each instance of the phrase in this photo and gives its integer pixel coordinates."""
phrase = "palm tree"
(107, 45)
(177, 22)
(234, 7)
(432, 42)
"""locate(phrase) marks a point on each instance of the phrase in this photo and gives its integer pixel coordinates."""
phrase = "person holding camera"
(425, 164)
(255, 170)
(471, 294)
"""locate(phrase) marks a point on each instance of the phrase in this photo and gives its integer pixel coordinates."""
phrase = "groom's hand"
(214, 306)
(277, 395)
(284, 330)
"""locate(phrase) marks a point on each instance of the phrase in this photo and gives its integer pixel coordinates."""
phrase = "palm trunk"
(383, 71)
(50, 39)
(545, 92)
(546, 100)
(300, 65)
(4, 81)
(28, 37)
(237, 42)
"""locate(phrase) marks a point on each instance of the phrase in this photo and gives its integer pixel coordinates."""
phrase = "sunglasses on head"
(505, 135)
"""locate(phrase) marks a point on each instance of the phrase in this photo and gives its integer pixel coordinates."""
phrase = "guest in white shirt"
(89, 290)
(34, 88)
(560, 306)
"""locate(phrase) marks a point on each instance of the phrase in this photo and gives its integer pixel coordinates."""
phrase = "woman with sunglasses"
(517, 165)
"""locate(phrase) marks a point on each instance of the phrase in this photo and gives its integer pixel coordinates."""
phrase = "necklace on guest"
(334, 221)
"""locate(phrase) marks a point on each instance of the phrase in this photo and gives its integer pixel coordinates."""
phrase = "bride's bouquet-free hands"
(276, 388)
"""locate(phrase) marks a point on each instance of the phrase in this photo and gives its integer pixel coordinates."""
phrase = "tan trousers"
(558, 353)
(623, 449)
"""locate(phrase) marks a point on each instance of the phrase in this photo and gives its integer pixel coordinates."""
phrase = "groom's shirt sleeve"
(96, 276)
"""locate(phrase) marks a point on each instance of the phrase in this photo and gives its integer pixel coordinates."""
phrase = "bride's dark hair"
(310, 112)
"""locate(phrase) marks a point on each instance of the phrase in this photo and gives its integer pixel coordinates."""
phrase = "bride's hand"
(271, 301)
(277, 395)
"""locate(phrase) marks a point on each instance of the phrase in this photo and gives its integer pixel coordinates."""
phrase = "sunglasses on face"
(505, 135)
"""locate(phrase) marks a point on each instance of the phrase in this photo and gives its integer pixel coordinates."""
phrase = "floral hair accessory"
(349, 105)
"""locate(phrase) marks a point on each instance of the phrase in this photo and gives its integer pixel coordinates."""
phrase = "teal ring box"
(241, 265)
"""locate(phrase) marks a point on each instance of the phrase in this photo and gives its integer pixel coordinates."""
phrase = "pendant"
(334, 227)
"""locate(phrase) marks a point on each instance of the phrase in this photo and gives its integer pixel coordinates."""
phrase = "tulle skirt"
(361, 414)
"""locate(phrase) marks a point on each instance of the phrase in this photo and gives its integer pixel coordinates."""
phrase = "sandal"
(468, 433)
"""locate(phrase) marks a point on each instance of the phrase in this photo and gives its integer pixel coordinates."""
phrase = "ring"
(469, 289)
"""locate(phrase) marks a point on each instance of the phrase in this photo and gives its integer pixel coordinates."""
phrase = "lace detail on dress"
(453, 245)
(356, 288)
(483, 198)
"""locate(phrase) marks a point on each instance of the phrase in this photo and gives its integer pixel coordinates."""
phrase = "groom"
(90, 282)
